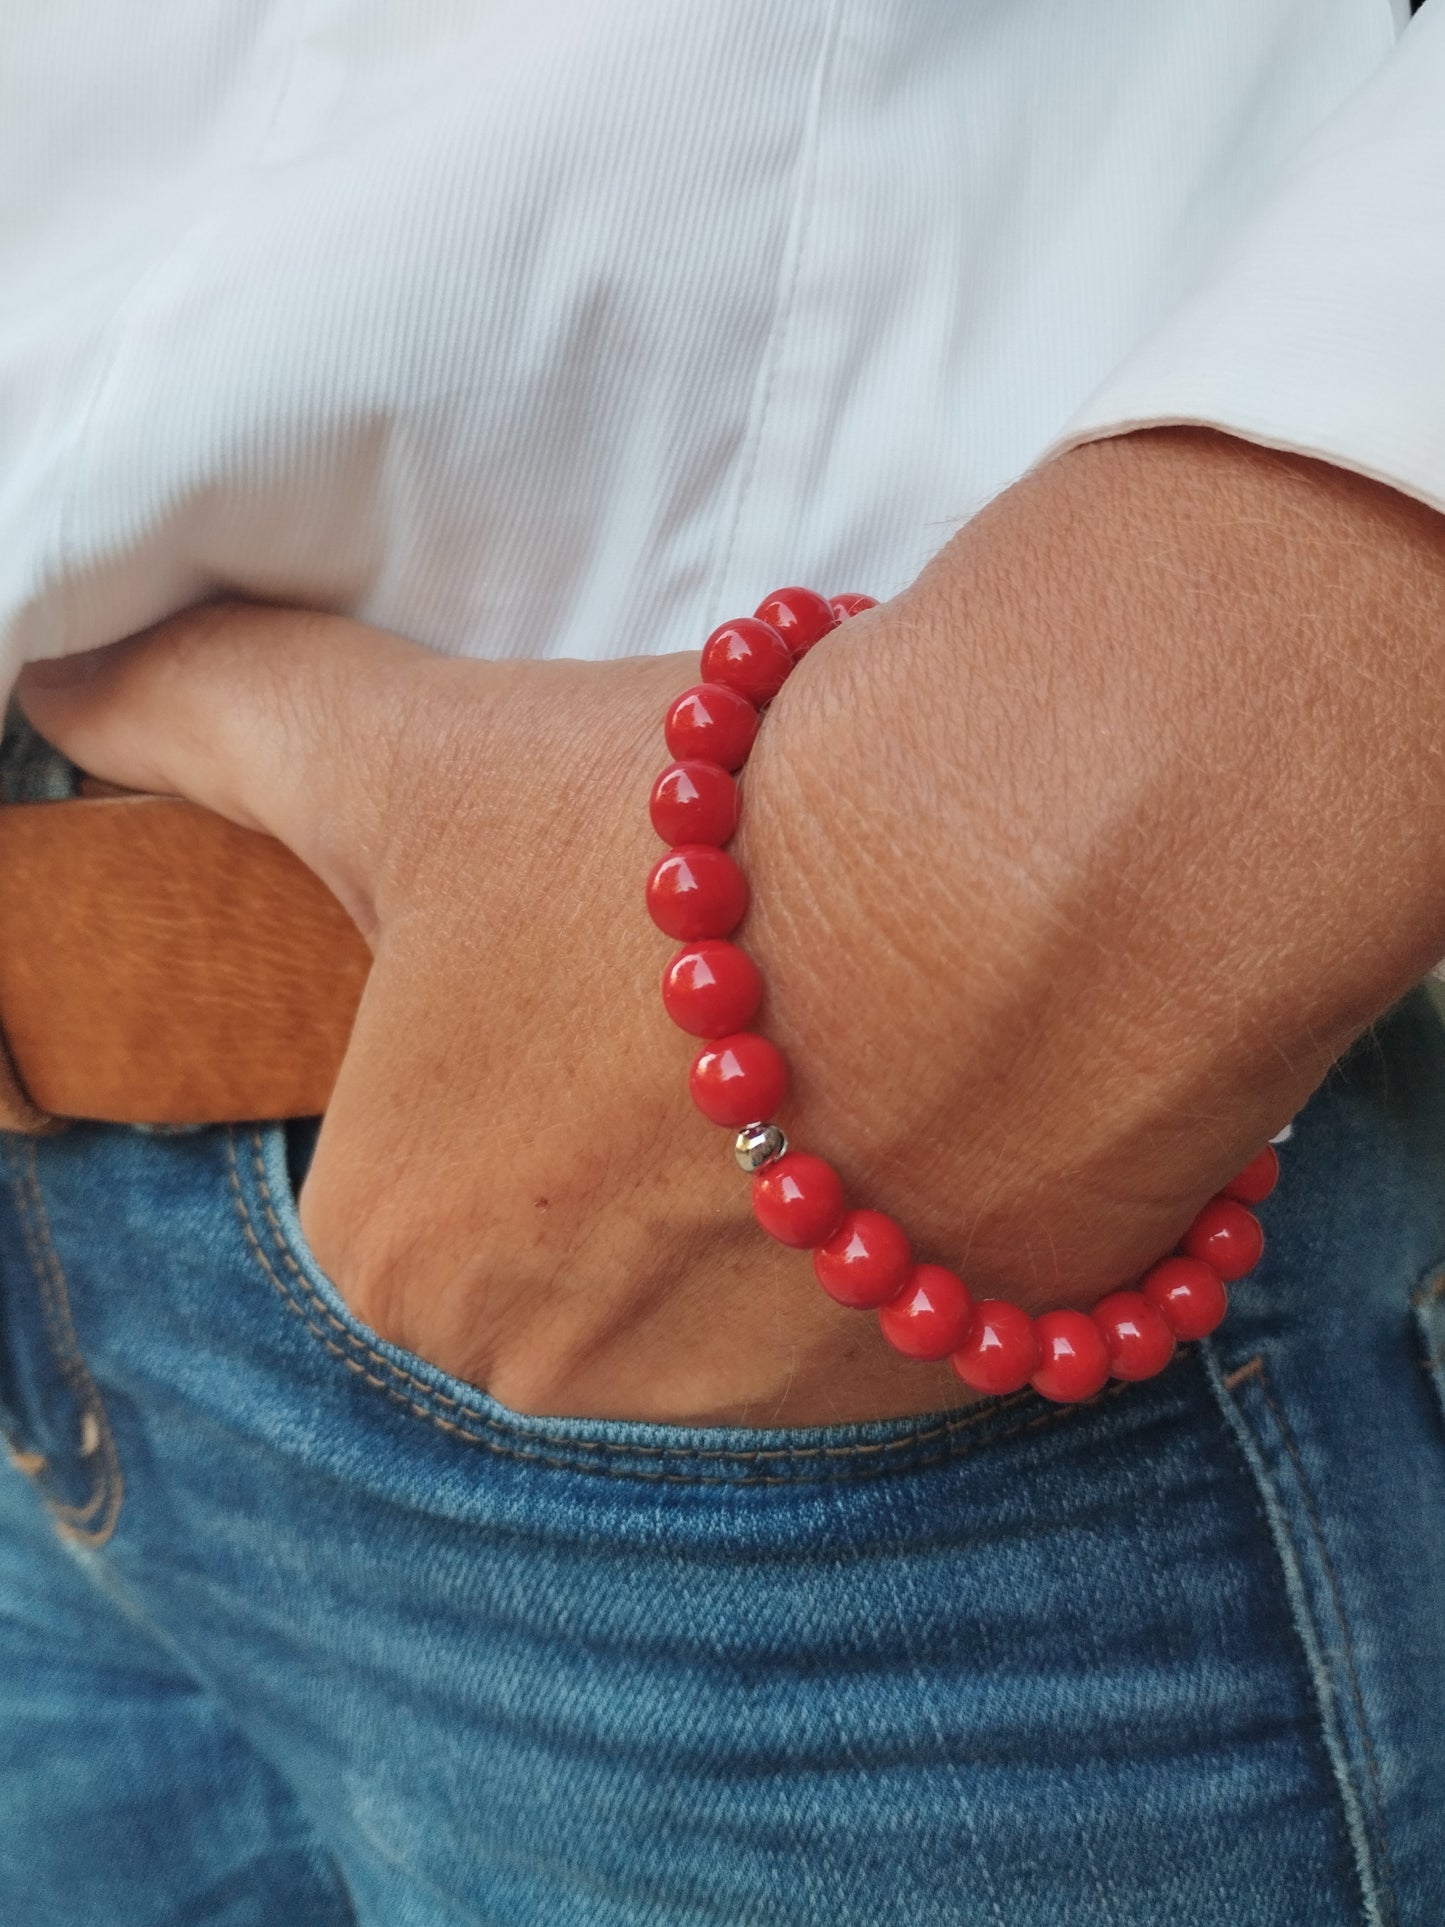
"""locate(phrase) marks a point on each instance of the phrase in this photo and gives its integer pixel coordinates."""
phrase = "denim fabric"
(295, 1629)
(31, 771)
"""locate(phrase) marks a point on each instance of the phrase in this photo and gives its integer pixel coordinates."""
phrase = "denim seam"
(60, 1323)
(1369, 1841)
(597, 1449)
(1351, 1666)
(108, 1480)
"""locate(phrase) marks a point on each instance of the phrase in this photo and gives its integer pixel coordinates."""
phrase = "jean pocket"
(264, 1172)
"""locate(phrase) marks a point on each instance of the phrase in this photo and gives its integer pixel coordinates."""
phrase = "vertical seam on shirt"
(795, 248)
(1372, 1860)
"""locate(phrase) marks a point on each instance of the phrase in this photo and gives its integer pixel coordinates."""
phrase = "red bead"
(866, 1261)
(800, 616)
(1254, 1183)
(1000, 1353)
(844, 606)
(748, 656)
(694, 802)
(696, 891)
(713, 723)
(930, 1317)
(741, 1079)
(712, 988)
(1190, 1294)
(798, 1199)
(1136, 1332)
(1226, 1236)
(1073, 1358)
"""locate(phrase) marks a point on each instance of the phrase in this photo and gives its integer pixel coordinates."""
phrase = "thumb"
(282, 720)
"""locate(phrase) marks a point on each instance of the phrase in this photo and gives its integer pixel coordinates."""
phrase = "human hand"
(510, 1180)
(983, 857)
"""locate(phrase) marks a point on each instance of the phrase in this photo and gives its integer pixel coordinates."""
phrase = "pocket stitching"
(434, 1393)
(947, 1432)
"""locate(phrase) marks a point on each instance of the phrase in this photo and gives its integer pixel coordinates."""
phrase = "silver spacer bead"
(1284, 1136)
(758, 1144)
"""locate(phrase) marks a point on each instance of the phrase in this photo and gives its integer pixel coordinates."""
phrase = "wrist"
(1065, 900)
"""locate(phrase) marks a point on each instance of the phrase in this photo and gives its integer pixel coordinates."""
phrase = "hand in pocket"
(510, 1181)
(1061, 908)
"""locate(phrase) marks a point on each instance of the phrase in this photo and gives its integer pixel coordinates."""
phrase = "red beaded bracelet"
(697, 894)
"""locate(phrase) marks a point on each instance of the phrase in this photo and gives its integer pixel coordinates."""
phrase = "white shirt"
(568, 327)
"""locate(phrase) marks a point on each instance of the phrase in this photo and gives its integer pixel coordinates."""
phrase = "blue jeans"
(295, 1629)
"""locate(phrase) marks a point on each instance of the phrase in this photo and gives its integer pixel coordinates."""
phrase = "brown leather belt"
(160, 966)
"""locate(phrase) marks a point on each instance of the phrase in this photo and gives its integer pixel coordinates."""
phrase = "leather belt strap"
(158, 965)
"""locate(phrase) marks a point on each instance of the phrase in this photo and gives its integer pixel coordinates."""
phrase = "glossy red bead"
(1190, 1294)
(930, 1317)
(711, 723)
(1136, 1333)
(737, 1080)
(748, 656)
(800, 616)
(1254, 1183)
(1000, 1353)
(844, 606)
(712, 988)
(694, 802)
(866, 1261)
(798, 1199)
(696, 891)
(1073, 1358)
(1226, 1236)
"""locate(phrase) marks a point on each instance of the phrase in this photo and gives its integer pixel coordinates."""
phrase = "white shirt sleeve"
(1320, 328)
